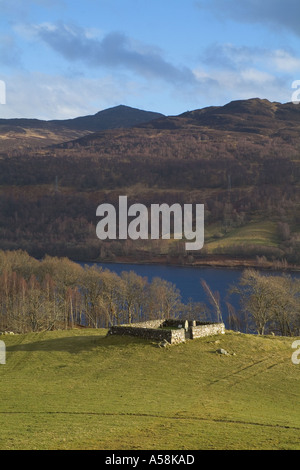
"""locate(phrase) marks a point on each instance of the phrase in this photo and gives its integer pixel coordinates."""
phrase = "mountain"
(255, 119)
(258, 116)
(113, 118)
(240, 160)
(26, 133)
(252, 118)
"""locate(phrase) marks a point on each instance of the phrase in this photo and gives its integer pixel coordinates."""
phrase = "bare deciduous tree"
(214, 299)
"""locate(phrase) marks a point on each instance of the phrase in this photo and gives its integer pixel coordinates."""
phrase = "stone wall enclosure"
(173, 331)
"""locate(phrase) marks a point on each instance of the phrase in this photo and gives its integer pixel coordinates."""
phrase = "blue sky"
(61, 58)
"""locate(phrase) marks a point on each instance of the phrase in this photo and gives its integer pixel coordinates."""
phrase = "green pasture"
(262, 233)
(81, 389)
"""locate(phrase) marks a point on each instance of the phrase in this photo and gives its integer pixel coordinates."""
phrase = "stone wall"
(146, 324)
(172, 331)
(157, 334)
(177, 336)
(206, 329)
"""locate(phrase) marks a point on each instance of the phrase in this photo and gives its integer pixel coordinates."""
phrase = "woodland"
(241, 161)
(56, 293)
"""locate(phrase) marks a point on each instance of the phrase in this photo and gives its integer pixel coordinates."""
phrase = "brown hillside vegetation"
(27, 133)
(241, 160)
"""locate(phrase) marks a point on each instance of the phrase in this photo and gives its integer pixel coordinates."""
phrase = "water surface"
(188, 280)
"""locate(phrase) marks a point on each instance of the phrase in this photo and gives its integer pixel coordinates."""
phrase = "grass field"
(82, 390)
(255, 233)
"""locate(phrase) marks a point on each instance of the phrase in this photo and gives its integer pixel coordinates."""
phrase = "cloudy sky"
(66, 58)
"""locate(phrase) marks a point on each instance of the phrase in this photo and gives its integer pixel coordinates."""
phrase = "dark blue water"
(188, 280)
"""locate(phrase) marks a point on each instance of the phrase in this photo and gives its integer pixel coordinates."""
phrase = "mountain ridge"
(254, 118)
(250, 115)
(135, 114)
(259, 113)
(116, 117)
(240, 160)
(25, 132)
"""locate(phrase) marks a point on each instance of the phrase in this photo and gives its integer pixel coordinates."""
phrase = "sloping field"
(254, 233)
(82, 390)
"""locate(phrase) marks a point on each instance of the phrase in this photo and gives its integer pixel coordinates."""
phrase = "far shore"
(214, 261)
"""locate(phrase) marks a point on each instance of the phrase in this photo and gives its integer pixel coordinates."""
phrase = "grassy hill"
(79, 389)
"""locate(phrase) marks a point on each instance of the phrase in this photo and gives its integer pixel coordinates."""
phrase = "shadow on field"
(76, 344)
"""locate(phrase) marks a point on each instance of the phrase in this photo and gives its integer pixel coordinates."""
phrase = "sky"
(61, 59)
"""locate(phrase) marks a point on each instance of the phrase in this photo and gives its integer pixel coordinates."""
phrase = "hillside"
(250, 116)
(113, 118)
(240, 160)
(247, 117)
(28, 133)
(79, 389)
(257, 116)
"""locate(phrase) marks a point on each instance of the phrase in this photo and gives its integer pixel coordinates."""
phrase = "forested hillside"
(240, 160)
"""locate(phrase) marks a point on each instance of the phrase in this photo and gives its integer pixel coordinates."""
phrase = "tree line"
(51, 195)
(56, 293)
(62, 223)
(269, 304)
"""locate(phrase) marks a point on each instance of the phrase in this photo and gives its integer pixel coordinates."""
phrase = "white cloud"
(241, 72)
(228, 85)
(114, 51)
(284, 61)
(132, 72)
(256, 77)
(42, 96)
(235, 57)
